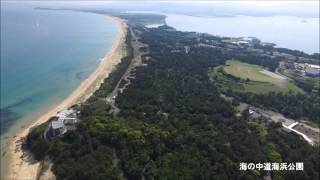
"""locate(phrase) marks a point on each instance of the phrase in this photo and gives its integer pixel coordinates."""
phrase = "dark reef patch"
(79, 75)
(19, 103)
(8, 116)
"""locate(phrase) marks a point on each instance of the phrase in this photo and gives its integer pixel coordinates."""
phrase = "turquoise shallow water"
(45, 55)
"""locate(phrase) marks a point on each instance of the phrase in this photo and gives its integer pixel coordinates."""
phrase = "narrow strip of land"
(128, 74)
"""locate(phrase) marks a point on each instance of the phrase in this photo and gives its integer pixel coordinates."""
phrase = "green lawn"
(245, 70)
(251, 78)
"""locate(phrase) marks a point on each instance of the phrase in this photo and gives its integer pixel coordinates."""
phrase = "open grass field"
(251, 71)
(239, 76)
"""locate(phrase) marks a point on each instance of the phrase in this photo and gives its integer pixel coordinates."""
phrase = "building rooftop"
(66, 116)
(67, 113)
(57, 124)
(313, 71)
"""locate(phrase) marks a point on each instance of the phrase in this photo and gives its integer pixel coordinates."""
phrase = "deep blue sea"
(45, 55)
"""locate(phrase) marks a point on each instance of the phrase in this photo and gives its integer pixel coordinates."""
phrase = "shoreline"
(17, 162)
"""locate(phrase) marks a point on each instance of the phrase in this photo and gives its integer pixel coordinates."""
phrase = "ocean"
(293, 32)
(45, 55)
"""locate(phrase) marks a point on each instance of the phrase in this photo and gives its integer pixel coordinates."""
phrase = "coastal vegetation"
(297, 106)
(313, 58)
(114, 77)
(173, 123)
(246, 83)
(308, 84)
(36, 142)
(144, 19)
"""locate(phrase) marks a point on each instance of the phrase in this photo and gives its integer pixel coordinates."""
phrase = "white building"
(61, 123)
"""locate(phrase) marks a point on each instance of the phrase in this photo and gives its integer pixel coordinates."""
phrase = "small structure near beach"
(64, 121)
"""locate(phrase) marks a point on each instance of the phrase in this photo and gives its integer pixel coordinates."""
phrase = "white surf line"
(290, 127)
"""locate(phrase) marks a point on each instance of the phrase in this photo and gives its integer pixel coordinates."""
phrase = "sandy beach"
(19, 165)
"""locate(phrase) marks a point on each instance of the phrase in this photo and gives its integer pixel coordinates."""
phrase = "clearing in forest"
(240, 76)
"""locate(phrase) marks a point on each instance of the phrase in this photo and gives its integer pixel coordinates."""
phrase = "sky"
(304, 8)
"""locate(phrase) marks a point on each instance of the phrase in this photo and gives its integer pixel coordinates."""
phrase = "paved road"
(310, 134)
(136, 61)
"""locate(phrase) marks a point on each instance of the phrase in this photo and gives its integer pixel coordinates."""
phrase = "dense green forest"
(290, 104)
(265, 61)
(173, 124)
(313, 58)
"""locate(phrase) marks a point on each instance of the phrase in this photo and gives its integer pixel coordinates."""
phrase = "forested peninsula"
(161, 115)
